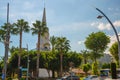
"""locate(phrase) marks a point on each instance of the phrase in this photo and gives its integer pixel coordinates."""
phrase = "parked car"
(92, 77)
(73, 77)
(58, 79)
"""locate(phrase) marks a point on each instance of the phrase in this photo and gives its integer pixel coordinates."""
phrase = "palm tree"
(85, 55)
(2, 35)
(63, 46)
(53, 41)
(2, 39)
(19, 27)
(5, 38)
(4, 31)
(40, 29)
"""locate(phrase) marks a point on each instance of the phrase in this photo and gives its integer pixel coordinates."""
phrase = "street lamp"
(117, 36)
(27, 63)
(28, 60)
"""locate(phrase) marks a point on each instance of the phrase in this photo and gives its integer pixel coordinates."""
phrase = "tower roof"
(44, 16)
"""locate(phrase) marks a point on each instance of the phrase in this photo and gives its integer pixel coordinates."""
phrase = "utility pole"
(27, 63)
(6, 43)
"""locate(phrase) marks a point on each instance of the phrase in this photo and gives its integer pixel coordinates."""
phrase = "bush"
(95, 68)
(113, 71)
(9, 78)
(86, 68)
(106, 65)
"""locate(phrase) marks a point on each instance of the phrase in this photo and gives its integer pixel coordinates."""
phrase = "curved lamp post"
(117, 36)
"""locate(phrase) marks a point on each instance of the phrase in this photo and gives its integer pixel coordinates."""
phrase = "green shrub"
(9, 78)
(23, 79)
(106, 65)
(113, 70)
(95, 68)
(86, 68)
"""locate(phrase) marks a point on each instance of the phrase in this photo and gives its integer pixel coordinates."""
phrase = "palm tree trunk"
(85, 61)
(48, 73)
(7, 42)
(53, 74)
(61, 64)
(20, 50)
(38, 55)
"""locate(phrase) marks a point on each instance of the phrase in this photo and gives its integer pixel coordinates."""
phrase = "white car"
(92, 77)
(73, 77)
(58, 79)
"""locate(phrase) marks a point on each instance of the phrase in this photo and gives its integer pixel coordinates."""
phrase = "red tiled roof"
(78, 71)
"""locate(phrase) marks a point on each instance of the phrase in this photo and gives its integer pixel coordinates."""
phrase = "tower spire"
(45, 43)
(44, 15)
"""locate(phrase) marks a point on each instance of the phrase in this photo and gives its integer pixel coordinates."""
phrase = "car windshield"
(93, 76)
(64, 77)
(69, 77)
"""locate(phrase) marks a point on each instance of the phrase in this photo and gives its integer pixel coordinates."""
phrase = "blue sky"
(73, 19)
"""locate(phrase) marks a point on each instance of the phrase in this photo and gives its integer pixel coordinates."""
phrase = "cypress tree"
(113, 70)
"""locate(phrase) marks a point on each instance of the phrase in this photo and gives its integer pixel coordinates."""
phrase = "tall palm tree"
(5, 38)
(2, 39)
(53, 41)
(63, 46)
(19, 27)
(4, 30)
(40, 29)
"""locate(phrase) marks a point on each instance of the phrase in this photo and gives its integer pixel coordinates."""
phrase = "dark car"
(70, 78)
(92, 77)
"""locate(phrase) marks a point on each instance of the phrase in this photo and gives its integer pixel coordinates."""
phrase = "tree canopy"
(97, 41)
(114, 51)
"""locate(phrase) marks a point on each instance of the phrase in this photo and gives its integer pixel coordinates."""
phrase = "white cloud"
(114, 9)
(103, 26)
(81, 42)
(117, 23)
(72, 27)
(27, 10)
(94, 24)
(30, 17)
(113, 39)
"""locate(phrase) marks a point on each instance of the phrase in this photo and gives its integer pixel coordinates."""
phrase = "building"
(44, 42)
